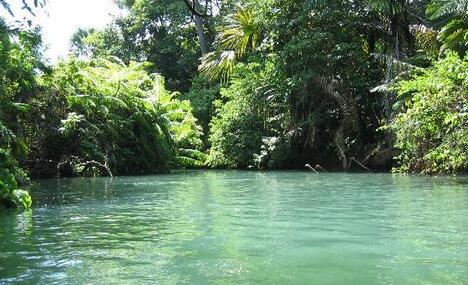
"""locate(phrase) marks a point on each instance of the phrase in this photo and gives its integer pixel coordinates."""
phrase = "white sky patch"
(61, 18)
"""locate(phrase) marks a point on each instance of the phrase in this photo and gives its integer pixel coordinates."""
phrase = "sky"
(61, 18)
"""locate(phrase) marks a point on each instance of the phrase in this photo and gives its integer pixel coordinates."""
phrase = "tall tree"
(198, 15)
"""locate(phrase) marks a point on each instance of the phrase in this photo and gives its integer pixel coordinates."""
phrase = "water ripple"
(239, 227)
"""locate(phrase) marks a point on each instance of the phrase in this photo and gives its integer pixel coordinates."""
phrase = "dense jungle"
(362, 85)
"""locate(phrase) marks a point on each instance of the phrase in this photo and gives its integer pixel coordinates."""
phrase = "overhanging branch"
(192, 7)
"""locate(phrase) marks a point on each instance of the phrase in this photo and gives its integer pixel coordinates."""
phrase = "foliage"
(19, 60)
(301, 97)
(202, 95)
(160, 34)
(426, 41)
(298, 85)
(117, 115)
(10, 194)
(432, 129)
(239, 34)
(94, 43)
(453, 14)
(305, 91)
(246, 115)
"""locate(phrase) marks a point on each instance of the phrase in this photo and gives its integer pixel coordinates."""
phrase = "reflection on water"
(238, 227)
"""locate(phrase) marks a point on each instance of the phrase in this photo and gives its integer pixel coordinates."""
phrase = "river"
(239, 227)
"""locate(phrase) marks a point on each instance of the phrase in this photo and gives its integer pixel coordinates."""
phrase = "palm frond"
(454, 36)
(218, 64)
(240, 34)
(446, 8)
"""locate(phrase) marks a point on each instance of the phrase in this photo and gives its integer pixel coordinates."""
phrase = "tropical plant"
(397, 16)
(249, 112)
(453, 16)
(162, 34)
(240, 33)
(19, 61)
(202, 95)
(431, 130)
(119, 118)
(10, 172)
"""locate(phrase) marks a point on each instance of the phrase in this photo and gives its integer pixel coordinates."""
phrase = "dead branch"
(372, 153)
(104, 168)
(311, 168)
(358, 163)
(320, 167)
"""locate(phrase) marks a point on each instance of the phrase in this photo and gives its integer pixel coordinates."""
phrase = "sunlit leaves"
(10, 195)
(218, 64)
(19, 61)
(240, 34)
(454, 16)
(431, 130)
(122, 114)
(443, 8)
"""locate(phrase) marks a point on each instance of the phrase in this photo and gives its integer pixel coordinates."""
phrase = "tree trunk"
(201, 34)
(395, 23)
(195, 9)
(371, 39)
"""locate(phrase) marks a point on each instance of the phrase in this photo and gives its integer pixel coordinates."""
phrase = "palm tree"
(240, 35)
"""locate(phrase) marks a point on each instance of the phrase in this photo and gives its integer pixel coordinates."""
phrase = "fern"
(121, 114)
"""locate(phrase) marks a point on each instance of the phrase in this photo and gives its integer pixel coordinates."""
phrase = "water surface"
(237, 227)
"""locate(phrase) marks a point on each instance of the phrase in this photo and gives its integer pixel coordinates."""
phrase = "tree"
(237, 36)
(329, 74)
(78, 44)
(324, 77)
(19, 62)
(161, 34)
(431, 128)
(108, 42)
(452, 16)
(398, 15)
(194, 7)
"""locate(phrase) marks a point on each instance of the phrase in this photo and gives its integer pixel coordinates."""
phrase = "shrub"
(432, 129)
(250, 114)
(202, 95)
(10, 194)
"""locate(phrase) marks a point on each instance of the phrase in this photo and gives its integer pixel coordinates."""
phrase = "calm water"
(240, 228)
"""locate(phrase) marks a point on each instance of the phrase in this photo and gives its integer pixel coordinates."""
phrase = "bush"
(202, 95)
(10, 194)
(432, 129)
(249, 116)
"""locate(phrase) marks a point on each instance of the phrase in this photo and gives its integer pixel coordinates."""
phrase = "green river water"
(235, 227)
